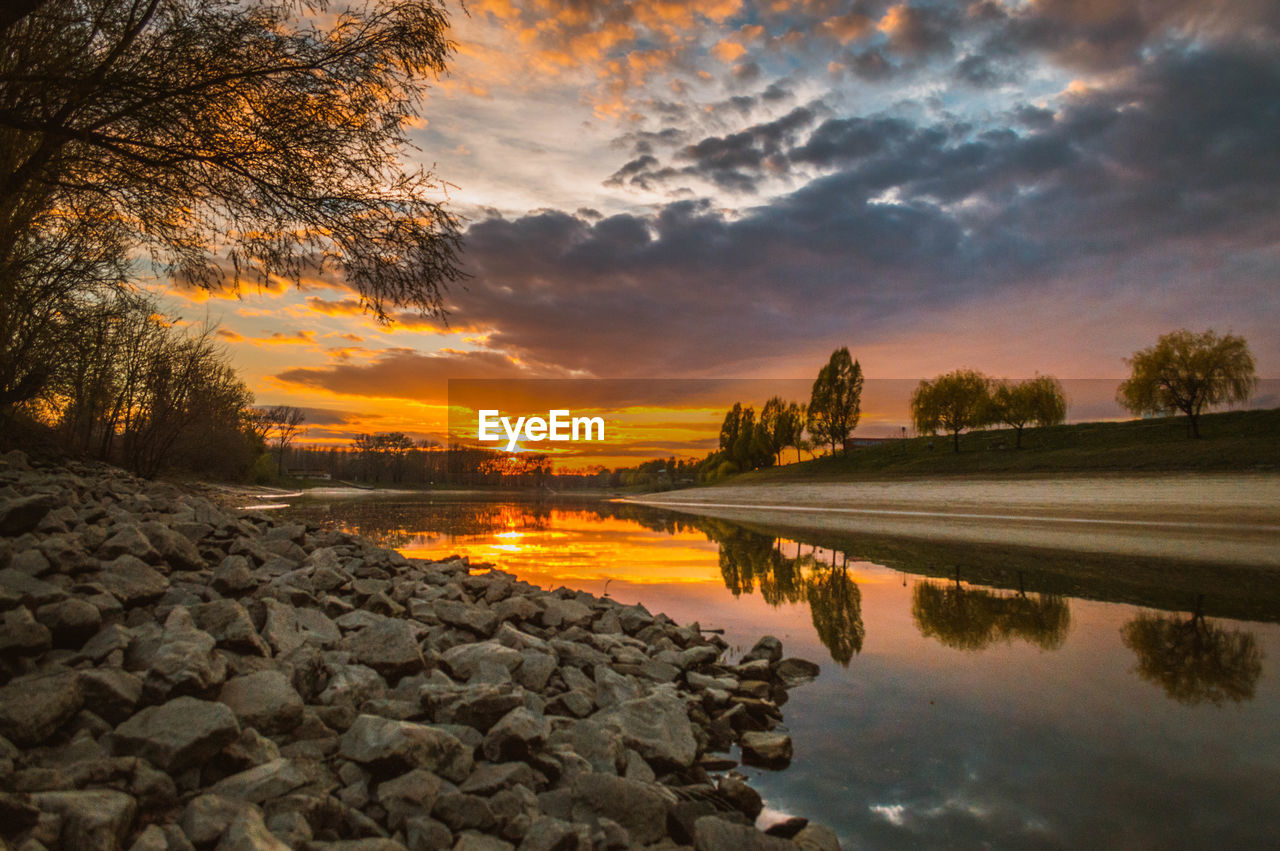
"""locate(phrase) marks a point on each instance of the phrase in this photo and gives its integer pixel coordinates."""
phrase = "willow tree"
(835, 404)
(952, 403)
(227, 142)
(1039, 400)
(1189, 372)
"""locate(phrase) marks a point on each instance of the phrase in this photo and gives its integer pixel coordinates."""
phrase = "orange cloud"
(728, 51)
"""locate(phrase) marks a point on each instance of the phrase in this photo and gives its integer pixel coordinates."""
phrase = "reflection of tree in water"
(975, 618)
(1193, 660)
(751, 560)
(835, 604)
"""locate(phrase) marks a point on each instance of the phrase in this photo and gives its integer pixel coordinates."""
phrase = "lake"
(1026, 712)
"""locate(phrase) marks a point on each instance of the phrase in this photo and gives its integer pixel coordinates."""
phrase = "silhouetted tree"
(285, 424)
(953, 402)
(1188, 372)
(1193, 660)
(1039, 400)
(835, 404)
(225, 140)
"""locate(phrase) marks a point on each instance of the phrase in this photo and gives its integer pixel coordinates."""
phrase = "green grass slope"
(1233, 441)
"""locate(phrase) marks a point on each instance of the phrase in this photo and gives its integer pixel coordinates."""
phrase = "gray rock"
(613, 688)
(657, 726)
(464, 659)
(743, 798)
(471, 841)
(565, 613)
(131, 581)
(408, 795)
(477, 619)
(265, 782)
(265, 700)
(463, 812)
(766, 748)
(71, 622)
(113, 693)
(480, 705)
(151, 839)
(817, 837)
(388, 647)
(176, 549)
(352, 685)
(397, 746)
(535, 669)
(552, 834)
(230, 625)
(21, 515)
(22, 635)
(207, 817)
(184, 662)
(93, 820)
(178, 734)
(794, 672)
(317, 628)
(31, 562)
(233, 576)
(29, 590)
(130, 541)
(32, 708)
(248, 832)
(426, 834)
(108, 640)
(517, 735)
(696, 657)
(489, 778)
(714, 833)
(638, 807)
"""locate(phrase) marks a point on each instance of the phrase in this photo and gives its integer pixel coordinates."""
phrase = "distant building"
(310, 474)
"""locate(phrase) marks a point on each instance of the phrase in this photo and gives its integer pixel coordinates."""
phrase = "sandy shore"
(1214, 518)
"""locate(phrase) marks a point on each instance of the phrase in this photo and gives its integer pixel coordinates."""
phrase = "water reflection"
(974, 618)
(1194, 660)
(1191, 658)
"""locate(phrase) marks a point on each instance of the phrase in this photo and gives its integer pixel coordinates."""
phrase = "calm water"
(948, 713)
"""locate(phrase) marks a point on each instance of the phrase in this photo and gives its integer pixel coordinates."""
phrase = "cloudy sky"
(732, 188)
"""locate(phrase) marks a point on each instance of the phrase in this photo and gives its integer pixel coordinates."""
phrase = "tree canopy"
(227, 141)
(952, 403)
(1189, 372)
(835, 405)
(1039, 400)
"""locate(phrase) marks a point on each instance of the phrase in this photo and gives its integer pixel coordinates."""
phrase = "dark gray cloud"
(907, 218)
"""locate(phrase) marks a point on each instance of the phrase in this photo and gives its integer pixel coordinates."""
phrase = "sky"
(733, 188)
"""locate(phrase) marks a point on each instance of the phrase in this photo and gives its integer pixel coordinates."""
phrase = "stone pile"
(180, 675)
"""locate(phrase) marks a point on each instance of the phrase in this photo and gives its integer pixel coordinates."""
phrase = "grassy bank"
(1234, 441)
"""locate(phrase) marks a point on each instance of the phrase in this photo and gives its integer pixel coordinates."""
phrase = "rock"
(112, 692)
(517, 735)
(657, 726)
(184, 663)
(565, 613)
(233, 576)
(110, 639)
(231, 627)
(388, 647)
(817, 837)
(32, 708)
(491, 777)
(281, 628)
(766, 748)
(22, 635)
(743, 798)
(175, 548)
(714, 833)
(207, 817)
(612, 688)
(427, 834)
(408, 795)
(131, 542)
(93, 820)
(265, 782)
(638, 807)
(464, 659)
(251, 749)
(352, 685)
(317, 628)
(248, 832)
(463, 812)
(788, 827)
(391, 746)
(178, 734)
(72, 622)
(21, 515)
(130, 581)
(29, 590)
(696, 657)
(265, 700)
(476, 619)
(469, 841)
(151, 839)
(479, 706)
(794, 672)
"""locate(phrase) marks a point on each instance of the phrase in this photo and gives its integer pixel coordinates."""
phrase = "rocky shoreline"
(175, 674)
